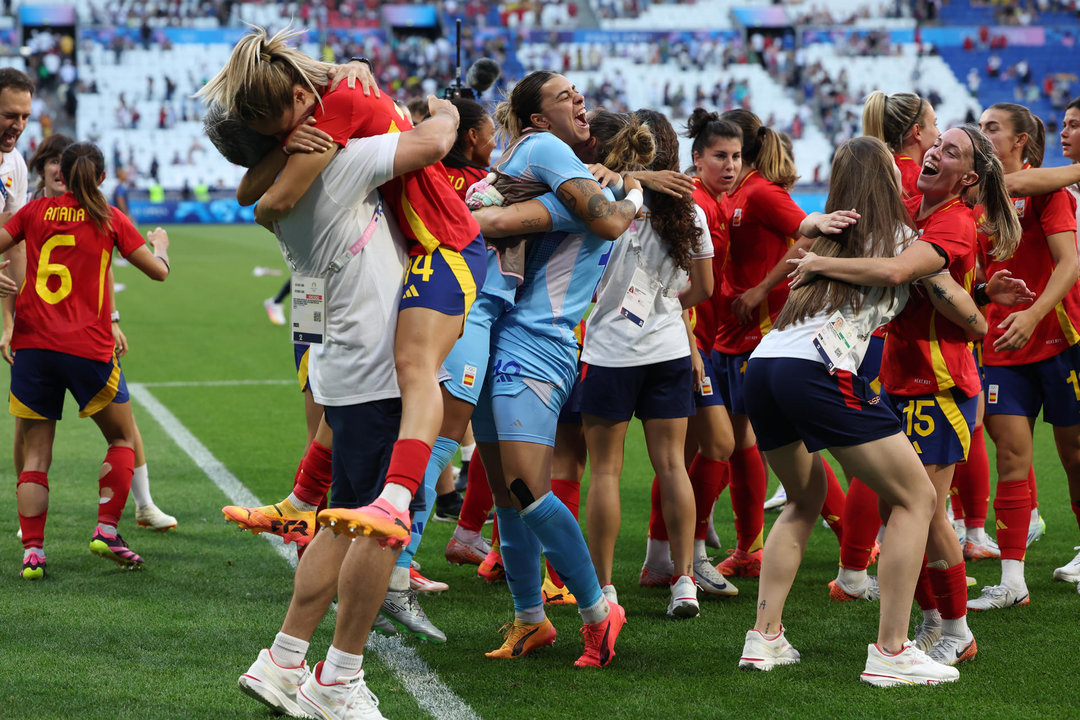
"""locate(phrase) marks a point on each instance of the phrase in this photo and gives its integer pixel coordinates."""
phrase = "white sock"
(931, 617)
(1012, 574)
(849, 578)
(107, 529)
(469, 537)
(467, 452)
(976, 535)
(657, 553)
(399, 578)
(339, 664)
(880, 534)
(531, 615)
(300, 504)
(699, 550)
(33, 551)
(288, 651)
(595, 613)
(956, 628)
(397, 495)
(140, 487)
(1034, 516)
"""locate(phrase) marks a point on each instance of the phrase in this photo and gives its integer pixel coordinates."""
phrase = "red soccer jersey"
(1040, 217)
(703, 315)
(461, 179)
(64, 304)
(428, 210)
(924, 352)
(909, 176)
(762, 227)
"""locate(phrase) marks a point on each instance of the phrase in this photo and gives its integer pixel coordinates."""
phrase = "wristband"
(980, 295)
(285, 148)
(115, 316)
(362, 59)
(636, 197)
(164, 261)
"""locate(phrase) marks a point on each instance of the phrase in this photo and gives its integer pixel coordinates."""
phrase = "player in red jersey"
(927, 367)
(717, 156)
(468, 161)
(274, 88)
(1032, 353)
(763, 226)
(63, 340)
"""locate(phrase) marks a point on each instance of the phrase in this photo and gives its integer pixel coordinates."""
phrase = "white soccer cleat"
(778, 500)
(910, 666)
(684, 602)
(1070, 572)
(952, 649)
(960, 529)
(150, 516)
(762, 653)
(995, 597)
(273, 685)
(711, 582)
(403, 610)
(927, 634)
(349, 698)
(986, 550)
(840, 592)
(1036, 529)
(274, 311)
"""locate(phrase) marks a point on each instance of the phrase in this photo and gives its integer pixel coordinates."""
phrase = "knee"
(718, 448)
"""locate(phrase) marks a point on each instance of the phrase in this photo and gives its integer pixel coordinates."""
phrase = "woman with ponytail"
(1030, 354)
(907, 124)
(63, 340)
(467, 162)
(927, 367)
(277, 90)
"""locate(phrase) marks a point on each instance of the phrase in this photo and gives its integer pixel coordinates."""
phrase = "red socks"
(950, 590)
(972, 481)
(33, 527)
(833, 509)
(924, 595)
(748, 486)
(1031, 486)
(861, 525)
(570, 493)
(478, 500)
(657, 526)
(408, 462)
(1012, 508)
(121, 464)
(312, 481)
(708, 478)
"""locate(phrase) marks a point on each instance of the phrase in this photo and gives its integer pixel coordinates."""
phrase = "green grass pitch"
(93, 641)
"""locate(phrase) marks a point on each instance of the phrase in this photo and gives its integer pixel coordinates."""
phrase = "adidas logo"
(517, 424)
(410, 292)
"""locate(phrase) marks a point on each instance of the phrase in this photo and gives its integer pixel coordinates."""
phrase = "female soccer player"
(717, 157)
(927, 367)
(468, 161)
(274, 88)
(63, 340)
(1031, 353)
(803, 395)
(637, 361)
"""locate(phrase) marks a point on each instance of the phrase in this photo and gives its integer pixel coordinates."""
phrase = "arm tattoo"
(530, 222)
(597, 206)
(972, 319)
(762, 605)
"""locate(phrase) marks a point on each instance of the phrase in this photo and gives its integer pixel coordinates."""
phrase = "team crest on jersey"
(1021, 205)
(992, 395)
(736, 218)
(468, 376)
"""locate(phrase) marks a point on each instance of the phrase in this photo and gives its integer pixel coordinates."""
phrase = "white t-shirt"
(797, 340)
(355, 363)
(613, 340)
(13, 179)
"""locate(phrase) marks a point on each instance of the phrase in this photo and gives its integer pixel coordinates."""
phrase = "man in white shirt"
(337, 239)
(16, 94)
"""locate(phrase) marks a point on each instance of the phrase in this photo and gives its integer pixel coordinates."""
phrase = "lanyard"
(349, 252)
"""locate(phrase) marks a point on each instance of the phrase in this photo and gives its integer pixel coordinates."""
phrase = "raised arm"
(430, 141)
(953, 302)
(603, 217)
(917, 260)
(154, 264)
(1040, 181)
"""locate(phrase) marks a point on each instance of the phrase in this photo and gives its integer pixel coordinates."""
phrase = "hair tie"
(265, 57)
(762, 131)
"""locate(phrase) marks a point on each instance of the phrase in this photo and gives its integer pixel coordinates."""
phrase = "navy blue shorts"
(446, 280)
(1051, 385)
(571, 409)
(939, 425)
(658, 390)
(710, 394)
(39, 379)
(870, 368)
(730, 375)
(791, 399)
(300, 355)
(364, 437)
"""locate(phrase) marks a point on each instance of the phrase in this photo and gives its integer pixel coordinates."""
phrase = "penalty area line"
(415, 675)
(215, 383)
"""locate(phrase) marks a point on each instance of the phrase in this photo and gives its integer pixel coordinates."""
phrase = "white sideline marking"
(415, 675)
(215, 383)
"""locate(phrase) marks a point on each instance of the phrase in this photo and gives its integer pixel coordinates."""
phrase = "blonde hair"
(999, 219)
(258, 79)
(890, 118)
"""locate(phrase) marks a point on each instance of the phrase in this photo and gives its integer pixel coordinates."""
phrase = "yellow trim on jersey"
(302, 369)
(937, 359)
(765, 321)
(429, 242)
(1067, 328)
(19, 410)
(105, 395)
(105, 257)
(956, 419)
(464, 275)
